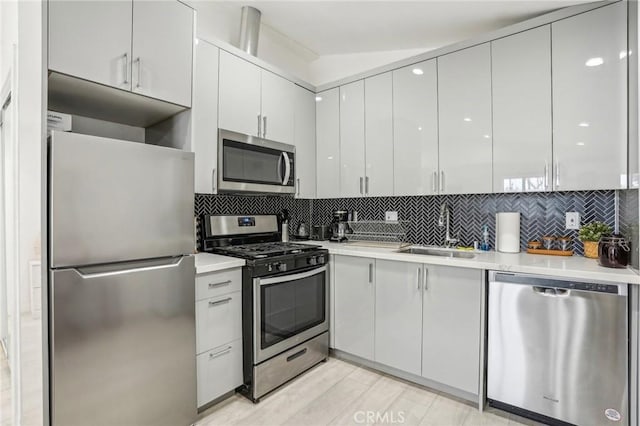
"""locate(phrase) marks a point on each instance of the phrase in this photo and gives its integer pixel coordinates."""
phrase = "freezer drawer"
(123, 344)
(113, 201)
(558, 348)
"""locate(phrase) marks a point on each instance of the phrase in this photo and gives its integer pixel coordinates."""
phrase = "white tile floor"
(340, 393)
(335, 393)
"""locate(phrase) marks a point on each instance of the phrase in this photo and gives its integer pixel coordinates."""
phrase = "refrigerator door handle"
(109, 270)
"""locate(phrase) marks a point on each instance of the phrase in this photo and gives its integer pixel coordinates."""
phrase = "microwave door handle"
(280, 160)
(287, 168)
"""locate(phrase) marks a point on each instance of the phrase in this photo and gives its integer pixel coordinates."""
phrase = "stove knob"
(270, 267)
(312, 260)
(282, 267)
(320, 260)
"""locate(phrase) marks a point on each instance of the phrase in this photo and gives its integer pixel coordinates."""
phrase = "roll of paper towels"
(508, 232)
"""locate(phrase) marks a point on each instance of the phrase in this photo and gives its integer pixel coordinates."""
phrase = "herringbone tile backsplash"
(541, 213)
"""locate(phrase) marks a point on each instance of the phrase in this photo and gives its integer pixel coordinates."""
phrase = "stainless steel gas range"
(285, 292)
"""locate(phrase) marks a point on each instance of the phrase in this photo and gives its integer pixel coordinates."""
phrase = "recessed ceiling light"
(623, 54)
(466, 119)
(330, 158)
(580, 143)
(318, 98)
(584, 124)
(418, 71)
(419, 128)
(486, 136)
(594, 62)
(196, 40)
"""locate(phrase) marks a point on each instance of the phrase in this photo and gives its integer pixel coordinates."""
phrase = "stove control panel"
(289, 263)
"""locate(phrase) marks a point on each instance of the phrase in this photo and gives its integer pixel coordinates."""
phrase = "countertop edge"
(207, 262)
(540, 264)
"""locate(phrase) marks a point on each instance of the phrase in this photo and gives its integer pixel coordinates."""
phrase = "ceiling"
(342, 27)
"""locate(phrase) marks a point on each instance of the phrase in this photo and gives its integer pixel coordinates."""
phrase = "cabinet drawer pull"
(296, 355)
(222, 352)
(126, 68)
(214, 285)
(220, 302)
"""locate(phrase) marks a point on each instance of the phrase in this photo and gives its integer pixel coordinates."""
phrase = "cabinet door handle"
(264, 126)
(557, 174)
(370, 273)
(126, 69)
(259, 125)
(298, 186)
(366, 185)
(220, 302)
(220, 284)
(434, 181)
(222, 352)
(361, 185)
(546, 175)
(138, 85)
(419, 276)
(441, 181)
(213, 180)
(426, 286)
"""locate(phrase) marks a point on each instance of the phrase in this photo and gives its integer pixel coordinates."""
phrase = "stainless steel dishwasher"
(558, 349)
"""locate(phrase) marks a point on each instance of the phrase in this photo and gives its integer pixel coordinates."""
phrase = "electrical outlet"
(572, 220)
(391, 216)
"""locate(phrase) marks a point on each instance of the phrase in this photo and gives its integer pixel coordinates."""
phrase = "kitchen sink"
(436, 251)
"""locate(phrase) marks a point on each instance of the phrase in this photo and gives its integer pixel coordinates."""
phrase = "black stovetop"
(264, 250)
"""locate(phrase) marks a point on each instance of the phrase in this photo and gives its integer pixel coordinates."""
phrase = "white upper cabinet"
(254, 101)
(378, 107)
(162, 50)
(204, 116)
(464, 92)
(352, 153)
(142, 46)
(239, 103)
(91, 40)
(415, 129)
(589, 100)
(278, 101)
(328, 143)
(305, 142)
(398, 315)
(521, 71)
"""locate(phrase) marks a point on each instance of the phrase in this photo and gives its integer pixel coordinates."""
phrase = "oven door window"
(291, 307)
(248, 163)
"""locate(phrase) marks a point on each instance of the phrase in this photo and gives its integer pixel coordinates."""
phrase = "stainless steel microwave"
(251, 164)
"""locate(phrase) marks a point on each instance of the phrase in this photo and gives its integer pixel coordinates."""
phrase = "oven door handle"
(285, 278)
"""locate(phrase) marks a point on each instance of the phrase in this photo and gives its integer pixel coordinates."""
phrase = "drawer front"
(219, 371)
(218, 321)
(218, 283)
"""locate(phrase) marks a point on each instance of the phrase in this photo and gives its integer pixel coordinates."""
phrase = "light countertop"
(207, 262)
(576, 267)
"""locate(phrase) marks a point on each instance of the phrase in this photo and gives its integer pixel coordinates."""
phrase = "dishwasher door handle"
(551, 291)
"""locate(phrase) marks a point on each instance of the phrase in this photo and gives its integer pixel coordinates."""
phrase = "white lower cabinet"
(354, 295)
(219, 371)
(398, 315)
(451, 326)
(218, 333)
(416, 318)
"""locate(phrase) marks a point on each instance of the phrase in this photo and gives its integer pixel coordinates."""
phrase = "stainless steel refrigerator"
(122, 285)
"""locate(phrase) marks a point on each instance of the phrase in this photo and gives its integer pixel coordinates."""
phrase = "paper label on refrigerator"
(612, 414)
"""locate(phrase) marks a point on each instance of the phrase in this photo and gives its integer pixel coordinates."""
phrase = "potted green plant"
(590, 235)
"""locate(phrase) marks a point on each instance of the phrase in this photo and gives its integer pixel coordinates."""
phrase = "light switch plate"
(572, 220)
(391, 216)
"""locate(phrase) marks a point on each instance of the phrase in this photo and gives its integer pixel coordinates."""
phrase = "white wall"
(8, 35)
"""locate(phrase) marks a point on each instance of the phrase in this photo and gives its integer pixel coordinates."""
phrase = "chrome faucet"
(443, 220)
